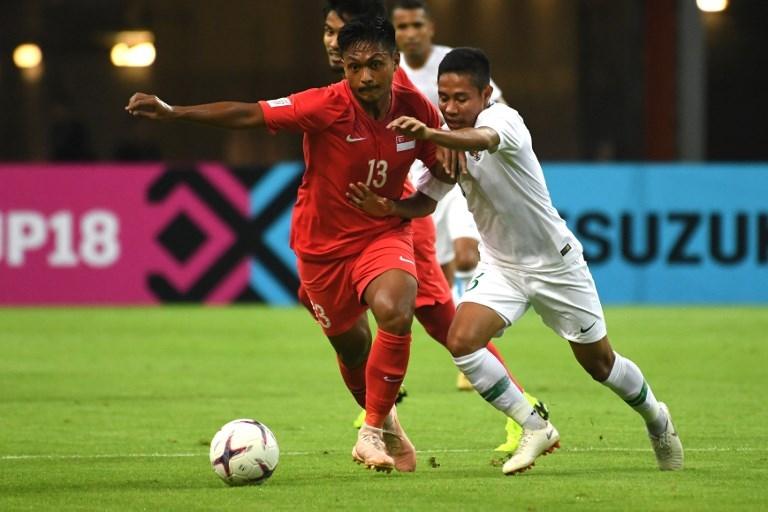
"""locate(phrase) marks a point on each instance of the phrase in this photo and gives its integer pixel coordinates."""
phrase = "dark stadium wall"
(249, 50)
(582, 73)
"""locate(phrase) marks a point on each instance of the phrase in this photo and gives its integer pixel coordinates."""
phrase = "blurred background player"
(530, 258)
(435, 307)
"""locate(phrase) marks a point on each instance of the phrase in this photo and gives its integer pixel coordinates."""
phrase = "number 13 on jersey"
(377, 173)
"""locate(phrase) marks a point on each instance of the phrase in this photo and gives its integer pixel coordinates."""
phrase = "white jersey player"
(529, 258)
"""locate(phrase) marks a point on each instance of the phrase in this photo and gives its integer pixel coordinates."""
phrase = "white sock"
(627, 381)
(490, 379)
(461, 279)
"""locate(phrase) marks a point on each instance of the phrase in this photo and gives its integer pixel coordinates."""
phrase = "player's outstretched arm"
(417, 205)
(223, 114)
(465, 139)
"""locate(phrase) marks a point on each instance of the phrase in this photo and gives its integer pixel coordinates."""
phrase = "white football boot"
(667, 446)
(532, 444)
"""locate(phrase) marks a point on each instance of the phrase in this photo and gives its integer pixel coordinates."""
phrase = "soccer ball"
(244, 452)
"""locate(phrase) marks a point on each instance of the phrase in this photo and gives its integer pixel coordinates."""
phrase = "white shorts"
(566, 299)
(453, 220)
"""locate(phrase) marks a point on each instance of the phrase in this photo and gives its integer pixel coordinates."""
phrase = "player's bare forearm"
(224, 114)
(414, 206)
(464, 139)
(417, 205)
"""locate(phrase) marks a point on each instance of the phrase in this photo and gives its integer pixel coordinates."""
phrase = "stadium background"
(644, 113)
(649, 118)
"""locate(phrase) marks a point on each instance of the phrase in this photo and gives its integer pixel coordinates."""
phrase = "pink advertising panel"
(121, 234)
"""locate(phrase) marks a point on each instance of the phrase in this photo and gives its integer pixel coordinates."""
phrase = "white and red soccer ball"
(244, 452)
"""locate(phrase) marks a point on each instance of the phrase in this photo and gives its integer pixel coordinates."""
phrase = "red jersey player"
(435, 308)
(347, 261)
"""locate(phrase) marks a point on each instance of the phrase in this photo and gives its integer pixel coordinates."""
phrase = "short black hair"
(411, 5)
(349, 10)
(467, 61)
(377, 30)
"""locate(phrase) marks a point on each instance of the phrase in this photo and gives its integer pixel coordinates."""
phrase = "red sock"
(384, 374)
(354, 378)
(436, 320)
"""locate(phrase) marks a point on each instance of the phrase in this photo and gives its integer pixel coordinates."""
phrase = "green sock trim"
(640, 398)
(497, 389)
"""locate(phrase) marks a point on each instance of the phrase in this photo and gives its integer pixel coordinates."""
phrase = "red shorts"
(335, 287)
(433, 288)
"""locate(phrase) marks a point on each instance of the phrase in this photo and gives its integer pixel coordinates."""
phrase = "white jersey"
(425, 77)
(452, 218)
(528, 256)
(508, 197)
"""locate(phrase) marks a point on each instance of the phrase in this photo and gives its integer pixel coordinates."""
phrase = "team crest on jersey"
(403, 143)
(280, 102)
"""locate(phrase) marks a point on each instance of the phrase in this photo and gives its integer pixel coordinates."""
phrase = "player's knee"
(393, 317)
(460, 343)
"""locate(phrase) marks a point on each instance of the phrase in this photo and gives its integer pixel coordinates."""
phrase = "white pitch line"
(100, 456)
(457, 450)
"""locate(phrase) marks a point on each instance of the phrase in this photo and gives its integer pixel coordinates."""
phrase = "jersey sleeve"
(507, 124)
(309, 111)
(428, 184)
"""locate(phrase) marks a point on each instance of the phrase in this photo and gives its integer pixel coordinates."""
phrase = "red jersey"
(401, 78)
(343, 145)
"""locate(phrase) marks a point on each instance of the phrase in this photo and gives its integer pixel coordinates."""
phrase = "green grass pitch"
(113, 409)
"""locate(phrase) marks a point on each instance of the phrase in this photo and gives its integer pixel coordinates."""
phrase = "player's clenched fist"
(149, 106)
